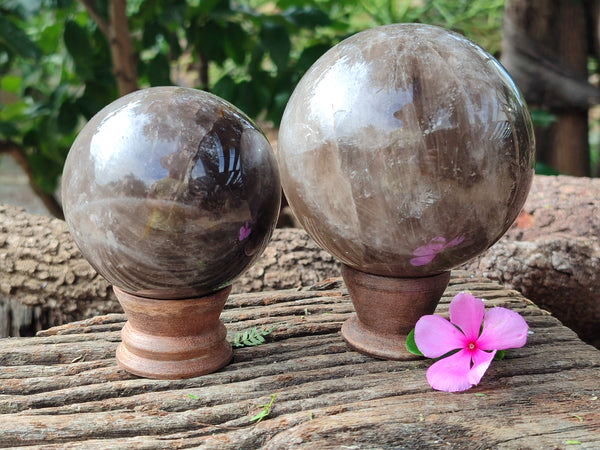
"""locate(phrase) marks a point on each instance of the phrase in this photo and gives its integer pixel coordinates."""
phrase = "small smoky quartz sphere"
(406, 150)
(171, 192)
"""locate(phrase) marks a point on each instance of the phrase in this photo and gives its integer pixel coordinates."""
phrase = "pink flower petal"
(435, 336)
(467, 313)
(457, 240)
(481, 362)
(425, 250)
(245, 231)
(502, 329)
(451, 374)
(434, 246)
(422, 260)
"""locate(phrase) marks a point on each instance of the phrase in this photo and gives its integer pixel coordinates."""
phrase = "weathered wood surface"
(63, 388)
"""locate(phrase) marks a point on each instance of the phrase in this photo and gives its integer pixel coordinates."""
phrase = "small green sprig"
(252, 337)
(266, 409)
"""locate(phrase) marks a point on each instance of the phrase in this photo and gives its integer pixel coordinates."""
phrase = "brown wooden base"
(387, 309)
(172, 339)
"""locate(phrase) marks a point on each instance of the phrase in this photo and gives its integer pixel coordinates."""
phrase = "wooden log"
(63, 389)
(45, 281)
(552, 252)
(551, 255)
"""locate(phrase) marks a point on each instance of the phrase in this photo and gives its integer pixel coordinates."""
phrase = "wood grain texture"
(63, 389)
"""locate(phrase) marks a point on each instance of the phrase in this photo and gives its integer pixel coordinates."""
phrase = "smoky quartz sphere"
(406, 150)
(171, 192)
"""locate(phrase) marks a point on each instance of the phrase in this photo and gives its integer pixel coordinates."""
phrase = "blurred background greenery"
(61, 61)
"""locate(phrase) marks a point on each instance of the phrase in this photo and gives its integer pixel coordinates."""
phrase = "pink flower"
(476, 345)
(425, 254)
(245, 231)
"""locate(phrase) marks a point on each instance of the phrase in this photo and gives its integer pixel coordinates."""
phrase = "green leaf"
(45, 171)
(95, 97)
(14, 111)
(277, 106)
(233, 43)
(77, 40)
(252, 337)
(68, 116)
(266, 409)
(307, 17)
(49, 37)
(11, 83)
(7, 129)
(158, 71)
(411, 345)
(542, 118)
(17, 40)
(225, 88)
(544, 169)
(208, 39)
(204, 6)
(276, 40)
(499, 355)
(79, 47)
(309, 55)
(251, 97)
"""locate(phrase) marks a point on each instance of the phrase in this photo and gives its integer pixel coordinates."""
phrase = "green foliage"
(58, 68)
(264, 412)
(545, 169)
(44, 102)
(542, 118)
(251, 337)
(411, 345)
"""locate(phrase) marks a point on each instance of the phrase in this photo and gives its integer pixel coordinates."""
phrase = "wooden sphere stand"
(172, 339)
(387, 309)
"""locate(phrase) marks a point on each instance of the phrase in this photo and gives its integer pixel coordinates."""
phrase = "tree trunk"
(594, 24)
(116, 31)
(124, 63)
(545, 48)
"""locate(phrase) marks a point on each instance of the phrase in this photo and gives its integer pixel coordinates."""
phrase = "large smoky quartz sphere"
(406, 150)
(171, 192)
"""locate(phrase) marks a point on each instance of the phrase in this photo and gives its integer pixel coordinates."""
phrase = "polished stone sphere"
(406, 150)
(171, 192)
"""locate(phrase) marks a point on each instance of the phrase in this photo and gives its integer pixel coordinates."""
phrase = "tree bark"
(116, 31)
(124, 62)
(545, 48)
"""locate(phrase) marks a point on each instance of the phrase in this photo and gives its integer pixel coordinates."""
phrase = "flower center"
(471, 346)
